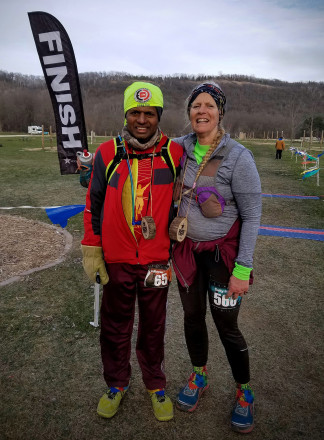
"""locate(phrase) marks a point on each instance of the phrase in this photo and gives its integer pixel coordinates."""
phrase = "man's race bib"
(158, 275)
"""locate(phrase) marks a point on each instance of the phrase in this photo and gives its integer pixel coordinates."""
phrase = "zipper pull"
(217, 254)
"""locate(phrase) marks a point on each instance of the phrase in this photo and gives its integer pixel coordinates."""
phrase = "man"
(280, 146)
(131, 260)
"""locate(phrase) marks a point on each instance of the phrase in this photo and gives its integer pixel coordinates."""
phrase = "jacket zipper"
(217, 254)
(182, 277)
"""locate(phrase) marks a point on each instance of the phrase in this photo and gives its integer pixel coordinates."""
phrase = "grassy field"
(50, 367)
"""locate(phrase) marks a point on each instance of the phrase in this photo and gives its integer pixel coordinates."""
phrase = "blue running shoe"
(187, 399)
(243, 412)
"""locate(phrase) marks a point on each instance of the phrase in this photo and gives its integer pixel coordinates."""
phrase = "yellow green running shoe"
(162, 405)
(109, 403)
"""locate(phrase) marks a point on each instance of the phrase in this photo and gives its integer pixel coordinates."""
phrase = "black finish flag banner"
(61, 75)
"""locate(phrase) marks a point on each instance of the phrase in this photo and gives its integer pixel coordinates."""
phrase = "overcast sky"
(276, 39)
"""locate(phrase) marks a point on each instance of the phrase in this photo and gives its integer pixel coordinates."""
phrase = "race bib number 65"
(159, 278)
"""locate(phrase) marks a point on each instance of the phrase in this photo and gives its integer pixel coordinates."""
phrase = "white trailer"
(35, 129)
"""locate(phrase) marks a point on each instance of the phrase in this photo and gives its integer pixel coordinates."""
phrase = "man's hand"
(93, 263)
(237, 287)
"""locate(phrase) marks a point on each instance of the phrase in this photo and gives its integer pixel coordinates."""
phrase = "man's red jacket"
(108, 212)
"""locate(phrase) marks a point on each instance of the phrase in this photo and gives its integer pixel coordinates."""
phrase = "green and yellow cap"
(143, 94)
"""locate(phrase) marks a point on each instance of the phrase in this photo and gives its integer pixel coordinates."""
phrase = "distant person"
(220, 198)
(132, 182)
(280, 146)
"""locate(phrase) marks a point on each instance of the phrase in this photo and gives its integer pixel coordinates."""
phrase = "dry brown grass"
(51, 378)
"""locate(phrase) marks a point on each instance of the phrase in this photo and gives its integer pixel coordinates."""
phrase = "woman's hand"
(237, 287)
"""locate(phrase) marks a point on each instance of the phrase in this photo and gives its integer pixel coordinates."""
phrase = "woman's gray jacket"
(238, 181)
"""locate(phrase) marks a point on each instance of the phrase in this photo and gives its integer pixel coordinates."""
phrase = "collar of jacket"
(190, 140)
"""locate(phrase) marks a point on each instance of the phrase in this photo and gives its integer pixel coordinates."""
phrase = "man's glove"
(93, 262)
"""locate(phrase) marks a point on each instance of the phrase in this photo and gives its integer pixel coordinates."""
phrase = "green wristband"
(242, 272)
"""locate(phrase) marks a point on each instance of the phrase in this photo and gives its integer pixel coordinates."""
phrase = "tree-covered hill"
(255, 106)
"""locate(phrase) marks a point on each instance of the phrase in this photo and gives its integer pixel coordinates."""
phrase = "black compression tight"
(194, 304)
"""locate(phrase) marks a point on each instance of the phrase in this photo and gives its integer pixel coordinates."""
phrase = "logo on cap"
(142, 95)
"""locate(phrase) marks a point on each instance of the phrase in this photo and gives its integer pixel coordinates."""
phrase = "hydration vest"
(121, 154)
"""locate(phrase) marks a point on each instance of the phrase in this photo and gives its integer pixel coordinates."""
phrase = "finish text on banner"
(61, 75)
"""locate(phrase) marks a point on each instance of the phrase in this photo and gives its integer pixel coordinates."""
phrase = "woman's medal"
(178, 229)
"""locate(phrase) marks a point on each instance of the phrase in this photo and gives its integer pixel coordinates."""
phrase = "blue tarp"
(60, 214)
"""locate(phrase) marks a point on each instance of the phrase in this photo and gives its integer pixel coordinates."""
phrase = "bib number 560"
(221, 300)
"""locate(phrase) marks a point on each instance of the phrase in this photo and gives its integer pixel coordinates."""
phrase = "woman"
(220, 198)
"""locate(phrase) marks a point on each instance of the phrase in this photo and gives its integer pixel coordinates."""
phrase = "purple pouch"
(210, 201)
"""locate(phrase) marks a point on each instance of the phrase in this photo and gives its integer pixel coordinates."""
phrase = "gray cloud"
(264, 38)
